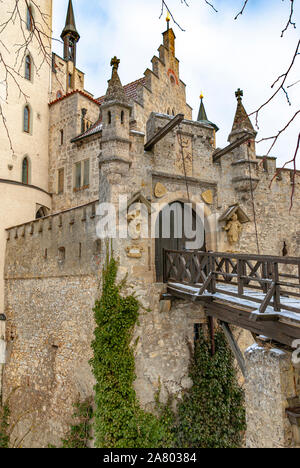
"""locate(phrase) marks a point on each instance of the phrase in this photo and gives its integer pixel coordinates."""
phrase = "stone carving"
(234, 229)
(160, 190)
(184, 155)
(208, 197)
(134, 251)
(134, 224)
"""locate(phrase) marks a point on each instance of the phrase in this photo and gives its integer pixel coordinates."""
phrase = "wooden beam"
(278, 331)
(219, 153)
(235, 347)
(163, 132)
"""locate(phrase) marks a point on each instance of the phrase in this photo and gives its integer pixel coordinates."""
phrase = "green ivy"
(119, 421)
(79, 435)
(4, 417)
(212, 413)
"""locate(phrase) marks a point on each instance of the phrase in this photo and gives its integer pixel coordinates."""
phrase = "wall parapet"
(61, 244)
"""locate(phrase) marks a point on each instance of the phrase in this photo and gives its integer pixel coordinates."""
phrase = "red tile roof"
(130, 89)
(74, 92)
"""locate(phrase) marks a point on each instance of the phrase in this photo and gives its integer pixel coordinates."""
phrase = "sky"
(217, 55)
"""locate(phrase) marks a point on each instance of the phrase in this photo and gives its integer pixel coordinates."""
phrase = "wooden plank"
(163, 132)
(234, 347)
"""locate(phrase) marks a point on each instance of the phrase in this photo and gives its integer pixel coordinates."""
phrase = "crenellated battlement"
(58, 245)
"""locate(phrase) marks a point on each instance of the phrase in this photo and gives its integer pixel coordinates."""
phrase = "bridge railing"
(278, 278)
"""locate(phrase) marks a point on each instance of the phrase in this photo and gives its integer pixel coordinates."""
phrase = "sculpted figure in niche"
(234, 229)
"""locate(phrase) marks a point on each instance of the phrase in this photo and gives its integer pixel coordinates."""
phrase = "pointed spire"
(202, 113)
(70, 26)
(115, 90)
(241, 119)
(202, 116)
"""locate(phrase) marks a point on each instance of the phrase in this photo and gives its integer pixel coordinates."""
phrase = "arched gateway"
(178, 227)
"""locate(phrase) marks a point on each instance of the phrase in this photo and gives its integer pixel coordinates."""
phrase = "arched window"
(41, 213)
(25, 171)
(28, 67)
(122, 117)
(109, 117)
(29, 19)
(26, 122)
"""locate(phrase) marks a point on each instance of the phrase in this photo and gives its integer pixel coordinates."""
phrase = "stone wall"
(66, 115)
(272, 382)
(50, 294)
(60, 77)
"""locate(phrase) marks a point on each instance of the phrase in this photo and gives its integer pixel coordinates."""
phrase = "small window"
(26, 123)
(82, 175)
(70, 80)
(41, 213)
(61, 254)
(28, 68)
(25, 171)
(109, 117)
(86, 173)
(78, 175)
(173, 81)
(122, 117)
(61, 181)
(61, 137)
(29, 19)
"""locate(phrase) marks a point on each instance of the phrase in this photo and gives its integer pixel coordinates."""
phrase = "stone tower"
(65, 76)
(24, 138)
(70, 35)
(115, 110)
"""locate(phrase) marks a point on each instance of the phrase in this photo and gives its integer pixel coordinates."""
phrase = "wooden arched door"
(170, 233)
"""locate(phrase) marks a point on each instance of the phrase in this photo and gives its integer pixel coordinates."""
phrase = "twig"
(242, 10)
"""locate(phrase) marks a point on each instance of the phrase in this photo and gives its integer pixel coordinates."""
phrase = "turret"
(244, 156)
(115, 112)
(241, 126)
(70, 35)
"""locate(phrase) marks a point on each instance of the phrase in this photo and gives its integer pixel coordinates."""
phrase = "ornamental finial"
(115, 63)
(239, 94)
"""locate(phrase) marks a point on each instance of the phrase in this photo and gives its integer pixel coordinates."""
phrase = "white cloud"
(217, 55)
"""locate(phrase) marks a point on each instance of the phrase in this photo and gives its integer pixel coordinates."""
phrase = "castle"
(72, 151)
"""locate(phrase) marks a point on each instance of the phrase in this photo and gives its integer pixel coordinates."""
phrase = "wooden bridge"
(255, 292)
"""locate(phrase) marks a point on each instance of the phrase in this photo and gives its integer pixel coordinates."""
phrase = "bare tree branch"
(280, 87)
(242, 10)
(290, 22)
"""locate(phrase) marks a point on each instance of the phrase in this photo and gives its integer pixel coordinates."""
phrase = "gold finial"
(201, 96)
(115, 63)
(168, 18)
